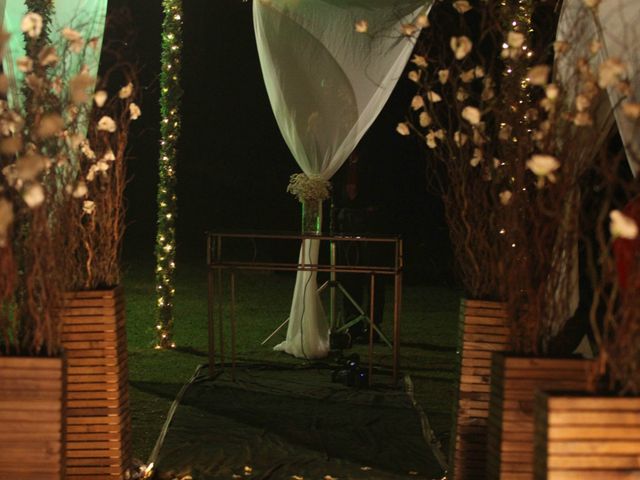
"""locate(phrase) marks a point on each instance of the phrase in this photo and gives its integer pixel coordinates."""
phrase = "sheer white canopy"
(327, 84)
(85, 16)
(616, 25)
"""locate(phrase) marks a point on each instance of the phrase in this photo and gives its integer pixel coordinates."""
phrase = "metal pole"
(333, 318)
(372, 300)
(233, 325)
(210, 311)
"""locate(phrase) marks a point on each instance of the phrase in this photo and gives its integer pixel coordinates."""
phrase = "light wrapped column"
(170, 96)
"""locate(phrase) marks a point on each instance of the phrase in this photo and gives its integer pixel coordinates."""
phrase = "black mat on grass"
(295, 422)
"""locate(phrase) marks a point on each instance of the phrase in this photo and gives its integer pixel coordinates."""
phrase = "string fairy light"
(170, 96)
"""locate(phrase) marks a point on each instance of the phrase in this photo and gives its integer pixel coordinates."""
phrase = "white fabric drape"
(85, 16)
(620, 37)
(327, 84)
(619, 34)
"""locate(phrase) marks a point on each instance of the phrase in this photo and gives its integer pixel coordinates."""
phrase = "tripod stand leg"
(275, 331)
(321, 288)
(360, 318)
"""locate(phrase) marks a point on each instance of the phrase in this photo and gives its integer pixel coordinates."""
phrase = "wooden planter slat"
(599, 474)
(31, 412)
(512, 405)
(483, 330)
(98, 420)
(586, 437)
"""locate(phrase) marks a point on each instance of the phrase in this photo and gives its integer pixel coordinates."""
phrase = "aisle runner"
(285, 423)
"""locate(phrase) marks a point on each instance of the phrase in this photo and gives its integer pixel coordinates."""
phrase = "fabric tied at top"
(327, 83)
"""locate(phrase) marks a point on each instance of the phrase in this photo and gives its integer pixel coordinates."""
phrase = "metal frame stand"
(215, 293)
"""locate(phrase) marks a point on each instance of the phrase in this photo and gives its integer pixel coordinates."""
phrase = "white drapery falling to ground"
(327, 84)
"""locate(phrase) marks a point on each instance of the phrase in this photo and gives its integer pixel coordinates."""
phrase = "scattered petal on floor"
(297, 477)
(365, 469)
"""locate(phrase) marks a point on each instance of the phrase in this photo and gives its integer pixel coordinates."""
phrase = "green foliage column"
(170, 95)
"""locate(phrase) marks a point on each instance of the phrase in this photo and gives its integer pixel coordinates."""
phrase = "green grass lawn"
(428, 341)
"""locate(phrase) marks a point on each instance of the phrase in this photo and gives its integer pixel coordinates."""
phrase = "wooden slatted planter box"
(514, 383)
(580, 436)
(98, 422)
(483, 330)
(31, 412)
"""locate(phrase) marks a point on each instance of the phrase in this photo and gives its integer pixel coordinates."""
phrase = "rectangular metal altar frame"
(216, 263)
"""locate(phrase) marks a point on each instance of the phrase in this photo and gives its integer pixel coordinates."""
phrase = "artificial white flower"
(48, 56)
(592, 3)
(622, 226)
(107, 124)
(461, 95)
(89, 207)
(560, 47)
(79, 84)
(471, 115)
(515, 40)
(476, 158)
(420, 61)
(49, 125)
(31, 24)
(126, 91)
(478, 134)
(24, 64)
(424, 119)
(86, 150)
(461, 46)
(611, 72)
(33, 195)
(422, 21)
(431, 139)
(468, 76)
(505, 197)
(552, 91)
(408, 29)
(433, 97)
(582, 119)
(631, 110)
(100, 97)
(417, 102)
(479, 71)
(460, 138)
(81, 190)
(102, 165)
(462, 6)
(543, 166)
(539, 75)
(414, 76)
(71, 35)
(134, 111)
(362, 26)
(91, 174)
(76, 42)
(403, 129)
(443, 75)
(109, 156)
(440, 133)
(582, 103)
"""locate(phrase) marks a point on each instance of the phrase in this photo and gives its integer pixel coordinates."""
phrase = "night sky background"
(233, 165)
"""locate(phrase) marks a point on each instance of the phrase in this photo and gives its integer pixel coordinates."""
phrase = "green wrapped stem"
(311, 217)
